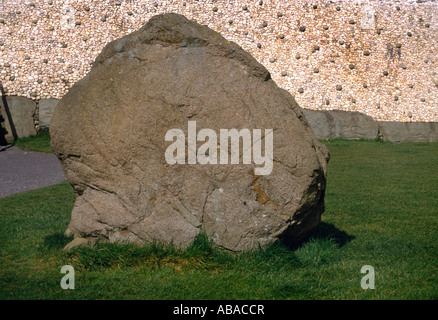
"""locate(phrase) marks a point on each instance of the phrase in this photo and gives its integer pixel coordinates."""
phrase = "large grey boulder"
(110, 129)
(18, 117)
(331, 124)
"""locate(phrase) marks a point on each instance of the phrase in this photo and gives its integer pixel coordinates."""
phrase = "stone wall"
(326, 124)
(375, 57)
(355, 125)
(408, 131)
(341, 124)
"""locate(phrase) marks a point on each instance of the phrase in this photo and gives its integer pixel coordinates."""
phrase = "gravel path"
(26, 170)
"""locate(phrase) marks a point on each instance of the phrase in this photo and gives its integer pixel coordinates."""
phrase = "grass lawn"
(40, 142)
(381, 210)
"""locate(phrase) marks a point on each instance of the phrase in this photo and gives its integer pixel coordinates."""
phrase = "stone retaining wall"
(409, 131)
(355, 125)
(27, 114)
(341, 124)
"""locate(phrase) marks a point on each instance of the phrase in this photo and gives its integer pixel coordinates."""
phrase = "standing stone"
(109, 134)
(18, 119)
(46, 110)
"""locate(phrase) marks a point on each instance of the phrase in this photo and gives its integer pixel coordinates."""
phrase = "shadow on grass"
(323, 232)
(56, 241)
(321, 247)
(329, 231)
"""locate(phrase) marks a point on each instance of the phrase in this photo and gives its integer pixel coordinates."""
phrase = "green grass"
(40, 142)
(381, 210)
